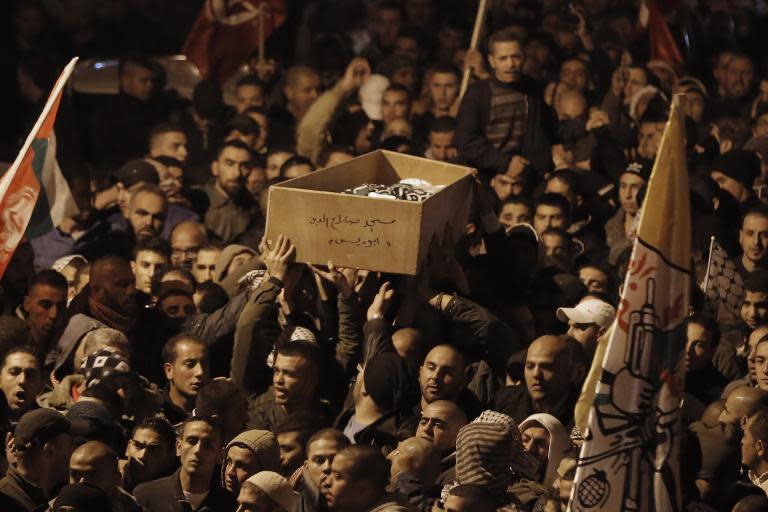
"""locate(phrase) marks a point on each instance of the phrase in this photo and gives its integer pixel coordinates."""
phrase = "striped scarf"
(506, 126)
(109, 316)
(484, 453)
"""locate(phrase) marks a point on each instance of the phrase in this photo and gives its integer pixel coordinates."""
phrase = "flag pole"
(709, 262)
(479, 21)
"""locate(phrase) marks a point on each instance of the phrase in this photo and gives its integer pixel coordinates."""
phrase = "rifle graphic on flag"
(630, 457)
(34, 196)
(723, 281)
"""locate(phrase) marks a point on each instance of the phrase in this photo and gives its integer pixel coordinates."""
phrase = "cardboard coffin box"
(364, 232)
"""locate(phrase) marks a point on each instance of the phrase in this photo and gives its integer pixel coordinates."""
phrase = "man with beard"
(147, 209)
(112, 299)
(230, 209)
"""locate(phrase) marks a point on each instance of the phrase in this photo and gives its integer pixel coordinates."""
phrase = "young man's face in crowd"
(507, 184)
(247, 96)
(291, 451)
(189, 370)
(753, 237)
(761, 365)
(148, 457)
(536, 442)
(754, 309)
(636, 80)
(738, 76)
(172, 144)
(548, 216)
(629, 185)
(320, 456)
(199, 448)
(699, 347)
(137, 81)
(513, 214)
(274, 162)
(145, 266)
(44, 305)
(440, 146)
(506, 59)
(751, 348)
(394, 105)
(147, 214)
(574, 74)
(441, 377)
(444, 88)
(21, 381)
(439, 425)
(178, 306)
(301, 94)
(649, 139)
(205, 264)
(594, 279)
(291, 379)
(240, 464)
(231, 168)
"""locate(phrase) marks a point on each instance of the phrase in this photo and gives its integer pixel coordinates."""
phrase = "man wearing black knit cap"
(618, 229)
(735, 172)
(385, 389)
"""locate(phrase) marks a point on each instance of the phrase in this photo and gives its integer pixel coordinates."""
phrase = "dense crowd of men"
(158, 354)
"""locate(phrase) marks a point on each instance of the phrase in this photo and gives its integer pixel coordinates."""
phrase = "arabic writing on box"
(359, 242)
(333, 222)
(339, 222)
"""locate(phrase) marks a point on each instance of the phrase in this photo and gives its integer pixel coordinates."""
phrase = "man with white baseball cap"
(267, 490)
(588, 321)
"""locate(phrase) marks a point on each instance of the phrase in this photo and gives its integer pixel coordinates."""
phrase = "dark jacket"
(383, 433)
(165, 495)
(19, 494)
(472, 120)
(264, 414)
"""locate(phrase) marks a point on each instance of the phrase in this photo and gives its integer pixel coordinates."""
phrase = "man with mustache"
(147, 209)
(230, 207)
